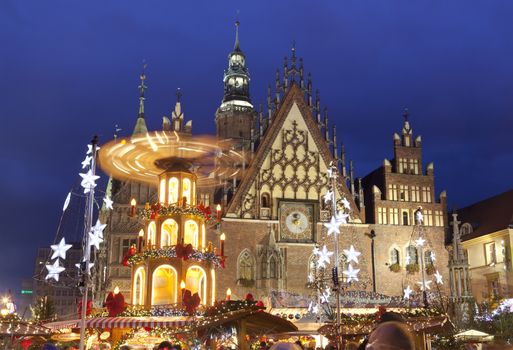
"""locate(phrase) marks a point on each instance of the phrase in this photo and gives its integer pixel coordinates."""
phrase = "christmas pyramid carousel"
(173, 266)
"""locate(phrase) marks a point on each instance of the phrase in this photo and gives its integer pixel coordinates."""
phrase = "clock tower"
(235, 118)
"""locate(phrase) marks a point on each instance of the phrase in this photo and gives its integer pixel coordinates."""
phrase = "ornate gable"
(290, 164)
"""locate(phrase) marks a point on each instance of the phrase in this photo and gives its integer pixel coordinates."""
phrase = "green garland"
(170, 252)
(172, 209)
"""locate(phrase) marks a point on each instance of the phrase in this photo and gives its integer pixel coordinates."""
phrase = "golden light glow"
(182, 285)
(4, 312)
(116, 290)
(223, 237)
(218, 207)
(133, 202)
(196, 280)
(5, 300)
(141, 233)
(213, 289)
(164, 285)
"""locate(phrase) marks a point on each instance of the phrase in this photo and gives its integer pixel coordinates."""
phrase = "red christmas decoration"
(191, 301)
(249, 297)
(183, 251)
(131, 251)
(115, 304)
(260, 303)
(88, 308)
(205, 210)
(380, 312)
(155, 211)
(26, 343)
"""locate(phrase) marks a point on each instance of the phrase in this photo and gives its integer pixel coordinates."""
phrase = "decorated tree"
(43, 309)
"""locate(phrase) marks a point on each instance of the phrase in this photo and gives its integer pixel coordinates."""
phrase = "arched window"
(191, 233)
(164, 285)
(273, 267)
(162, 193)
(245, 266)
(428, 257)
(411, 255)
(394, 256)
(152, 234)
(263, 269)
(405, 218)
(266, 199)
(173, 190)
(196, 282)
(139, 282)
(186, 191)
(169, 233)
(466, 228)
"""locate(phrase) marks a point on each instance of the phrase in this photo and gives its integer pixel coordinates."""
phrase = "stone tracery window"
(245, 266)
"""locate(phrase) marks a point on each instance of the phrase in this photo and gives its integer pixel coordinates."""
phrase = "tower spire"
(140, 124)
(236, 46)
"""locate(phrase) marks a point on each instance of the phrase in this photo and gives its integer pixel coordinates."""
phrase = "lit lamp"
(228, 294)
(222, 238)
(4, 312)
(116, 290)
(133, 203)
(140, 241)
(182, 288)
(218, 211)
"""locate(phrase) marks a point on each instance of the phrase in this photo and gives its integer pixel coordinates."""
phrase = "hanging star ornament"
(79, 266)
(420, 242)
(419, 217)
(425, 283)
(407, 292)
(95, 239)
(90, 149)
(433, 256)
(328, 197)
(352, 254)
(351, 273)
(438, 278)
(313, 308)
(54, 270)
(88, 180)
(330, 172)
(323, 256)
(108, 202)
(86, 162)
(325, 295)
(98, 228)
(342, 218)
(66, 202)
(59, 250)
(346, 204)
(333, 226)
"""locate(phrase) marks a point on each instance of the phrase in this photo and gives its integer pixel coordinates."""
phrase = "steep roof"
(489, 215)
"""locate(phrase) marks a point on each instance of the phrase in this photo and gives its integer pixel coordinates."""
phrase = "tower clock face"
(297, 222)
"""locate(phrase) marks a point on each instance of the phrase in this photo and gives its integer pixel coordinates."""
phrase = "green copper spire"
(140, 124)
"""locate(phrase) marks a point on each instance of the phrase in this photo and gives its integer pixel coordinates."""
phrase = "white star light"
(88, 181)
(91, 264)
(346, 204)
(352, 274)
(86, 162)
(426, 283)
(90, 149)
(98, 228)
(54, 270)
(352, 254)
(313, 308)
(419, 216)
(438, 277)
(324, 256)
(342, 218)
(333, 226)
(407, 292)
(325, 295)
(433, 257)
(66, 202)
(311, 278)
(420, 242)
(59, 250)
(108, 202)
(330, 172)
(95, 239)
(328, 197)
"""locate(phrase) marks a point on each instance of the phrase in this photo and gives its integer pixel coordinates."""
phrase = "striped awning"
(125, 322)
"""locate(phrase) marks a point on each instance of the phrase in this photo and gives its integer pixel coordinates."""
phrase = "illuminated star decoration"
(352, 274)
(330, 172)
(425, 283)
(88, 180)
(433, 257)
(346, 204)
(407, 292)
(438, 277)
(59, 250)
(328, 197)
(86, 162)
(98, 228)
(90, 149)
(95, 239)
(323, 256)
(79, 266)
(419, 217)
(311, 278)
(420, 242)
(108, 202)
(342, 218)
(313, 308)
(325, 295)
(352, 254)
(66, 202)
(333, 226)
(54, 270)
